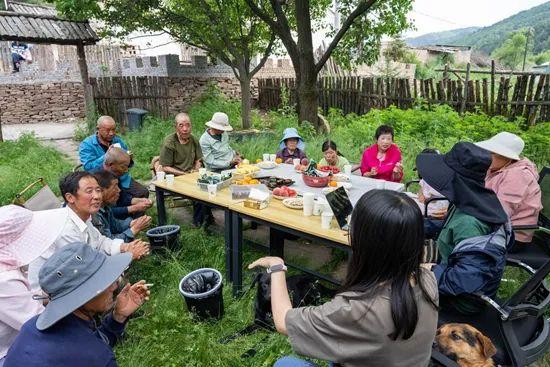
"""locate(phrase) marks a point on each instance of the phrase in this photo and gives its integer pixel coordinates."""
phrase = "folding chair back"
(43, 199)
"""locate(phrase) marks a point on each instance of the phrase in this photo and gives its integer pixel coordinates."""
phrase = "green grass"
(24, 161)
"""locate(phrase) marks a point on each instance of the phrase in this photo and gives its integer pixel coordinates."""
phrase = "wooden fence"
(113, 96)
(523, 95)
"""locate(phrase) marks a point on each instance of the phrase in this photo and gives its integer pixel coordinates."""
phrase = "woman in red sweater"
(382, 160)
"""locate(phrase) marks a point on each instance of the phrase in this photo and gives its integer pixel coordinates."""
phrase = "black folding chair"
(537, 252)
(517, 326)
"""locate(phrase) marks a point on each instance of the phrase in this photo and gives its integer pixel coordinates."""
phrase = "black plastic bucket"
(164, 237)
(202, 291)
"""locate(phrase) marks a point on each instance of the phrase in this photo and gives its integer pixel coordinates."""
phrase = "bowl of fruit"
(284, 192)
(314, 178)
(332, 169)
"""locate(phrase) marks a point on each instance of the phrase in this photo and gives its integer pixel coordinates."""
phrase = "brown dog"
(466, 345)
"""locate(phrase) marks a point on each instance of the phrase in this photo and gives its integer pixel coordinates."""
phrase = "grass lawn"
(165, 334)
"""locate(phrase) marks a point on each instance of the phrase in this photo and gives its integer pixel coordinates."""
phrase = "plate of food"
(340, 177)
(333, 169)
(273, 182)
(266, 165)
(293, 203)
(284, 192)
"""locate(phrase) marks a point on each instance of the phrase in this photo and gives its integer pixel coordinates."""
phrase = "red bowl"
(315, 181)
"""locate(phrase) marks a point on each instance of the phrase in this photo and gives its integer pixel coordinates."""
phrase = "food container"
(220, 185)
(314, 181)
(241, 192)
(255, 204)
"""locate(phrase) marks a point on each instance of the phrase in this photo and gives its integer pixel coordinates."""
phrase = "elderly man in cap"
(477, 232)
(83, 197)
(214, 142)
(93, 149)
(80, 283)
(117, 161)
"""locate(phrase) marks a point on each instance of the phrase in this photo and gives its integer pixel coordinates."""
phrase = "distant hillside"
(488, 38)
(439, 37)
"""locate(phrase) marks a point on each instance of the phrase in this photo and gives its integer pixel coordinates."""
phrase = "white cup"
(380, 184)
(326, 218)
(327, 208)
(202, 171)
(309, 198)
(296, 161)
(318, 207)
(265, 157)
(169, 179)
(347, 169)
(117, 145)
(272, 157)
(212, 190)
(160, 176)
(308, 210)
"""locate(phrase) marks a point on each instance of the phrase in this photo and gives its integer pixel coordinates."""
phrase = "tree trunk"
(308, 102)
(245, 100)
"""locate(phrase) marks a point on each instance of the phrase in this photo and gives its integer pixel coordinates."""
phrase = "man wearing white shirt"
(82, 195)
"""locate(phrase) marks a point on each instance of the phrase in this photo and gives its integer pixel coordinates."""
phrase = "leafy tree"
(357, 40)
(540, 58)
(226, 29)
(511, 52)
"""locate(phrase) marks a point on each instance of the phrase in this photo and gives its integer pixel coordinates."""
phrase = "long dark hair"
(329, 144)
(387, 239)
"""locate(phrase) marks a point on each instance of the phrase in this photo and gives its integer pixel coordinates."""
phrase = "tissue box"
(255, 204)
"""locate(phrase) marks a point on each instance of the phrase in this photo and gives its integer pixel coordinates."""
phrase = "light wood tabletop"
(279, 214)
(186, 185)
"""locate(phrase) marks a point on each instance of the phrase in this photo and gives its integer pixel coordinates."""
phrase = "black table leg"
(228, 235)
(276, 243)
(237, 253)
(161, 209)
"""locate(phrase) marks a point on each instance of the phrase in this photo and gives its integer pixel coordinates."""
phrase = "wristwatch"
(276, 268)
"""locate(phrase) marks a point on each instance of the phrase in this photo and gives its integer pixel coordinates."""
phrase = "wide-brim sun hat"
(220, 121)
(459, 175)
(25, 235)
(73, 276)
(505, 144)
(290, 133)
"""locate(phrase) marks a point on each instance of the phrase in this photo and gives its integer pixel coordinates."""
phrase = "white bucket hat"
(220, 121)
(25, 235)
(505, 144)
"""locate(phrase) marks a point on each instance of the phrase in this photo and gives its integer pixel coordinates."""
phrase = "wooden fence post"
(492, 111)
(465, 93)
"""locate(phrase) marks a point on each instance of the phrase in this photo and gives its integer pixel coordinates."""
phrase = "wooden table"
(185, 186)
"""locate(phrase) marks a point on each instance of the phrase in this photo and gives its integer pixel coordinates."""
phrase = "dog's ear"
(487, 346)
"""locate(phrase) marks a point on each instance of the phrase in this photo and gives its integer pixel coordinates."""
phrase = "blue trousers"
(293, 362)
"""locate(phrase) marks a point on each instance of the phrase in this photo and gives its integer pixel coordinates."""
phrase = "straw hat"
(25, 235)
(505, 144)
(220, 121)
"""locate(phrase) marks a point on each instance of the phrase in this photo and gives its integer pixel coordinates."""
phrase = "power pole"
(526, 46)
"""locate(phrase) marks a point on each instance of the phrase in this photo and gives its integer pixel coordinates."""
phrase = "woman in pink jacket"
(514, 180)
(382, 160)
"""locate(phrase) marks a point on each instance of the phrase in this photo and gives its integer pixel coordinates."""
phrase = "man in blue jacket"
(92, 155)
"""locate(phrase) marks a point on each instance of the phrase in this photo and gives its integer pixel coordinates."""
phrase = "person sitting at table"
(105, 221)
(382, 160)
(79, 283)
(92, 152)
(476, 233)
(291, 147)
(332, 157)
(24, 235)
(214, 142)
(386, 311)
(515, 181)
(180, 154)
(82, 196)
(117, 161)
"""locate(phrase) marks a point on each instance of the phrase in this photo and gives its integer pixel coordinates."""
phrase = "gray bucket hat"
(73, 276)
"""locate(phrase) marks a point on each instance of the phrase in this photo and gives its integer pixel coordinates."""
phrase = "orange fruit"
(254, 182)
(279, 160)
(258, 161)
(333, 184)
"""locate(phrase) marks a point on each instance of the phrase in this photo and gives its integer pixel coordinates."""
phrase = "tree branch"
(361, 9)
(266, 54)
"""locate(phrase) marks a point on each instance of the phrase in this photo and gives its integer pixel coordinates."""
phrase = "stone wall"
(46, 102)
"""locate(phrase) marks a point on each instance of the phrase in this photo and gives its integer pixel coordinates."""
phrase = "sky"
(441, 15)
